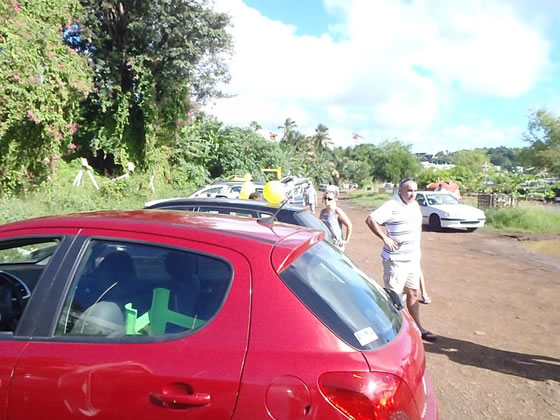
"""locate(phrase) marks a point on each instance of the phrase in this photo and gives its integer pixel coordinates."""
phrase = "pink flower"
(31, 115)
(73, 128)
(57, 135)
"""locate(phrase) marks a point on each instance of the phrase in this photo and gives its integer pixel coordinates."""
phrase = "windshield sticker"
(365, 336)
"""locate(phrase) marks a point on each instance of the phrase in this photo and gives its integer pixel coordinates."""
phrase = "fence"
(496, 200)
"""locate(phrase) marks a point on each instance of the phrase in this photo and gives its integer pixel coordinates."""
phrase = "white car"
(443, 210)
(225, 190)
(218, 190)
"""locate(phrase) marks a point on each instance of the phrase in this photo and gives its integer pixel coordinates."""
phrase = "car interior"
(129, 289)
(118, 289)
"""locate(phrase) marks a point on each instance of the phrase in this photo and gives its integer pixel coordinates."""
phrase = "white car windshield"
(435, 199)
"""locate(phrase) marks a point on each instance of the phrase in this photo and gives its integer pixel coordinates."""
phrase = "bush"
(59, 196)
(526, 220)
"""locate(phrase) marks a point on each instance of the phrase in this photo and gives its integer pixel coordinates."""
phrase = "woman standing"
(334, 217)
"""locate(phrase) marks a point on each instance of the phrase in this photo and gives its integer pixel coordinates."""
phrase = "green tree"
(321, 139)
(358, 172)
(393, 161)
(154, 61)
(42, 82)
(289, 129)
(506, 158)
(544, 135)
(255, 126)
(472, 160)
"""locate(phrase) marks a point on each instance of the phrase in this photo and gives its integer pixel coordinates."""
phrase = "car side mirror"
(394, 298)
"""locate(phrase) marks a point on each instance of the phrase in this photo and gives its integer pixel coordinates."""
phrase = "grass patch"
(525, 220)
(368, 198)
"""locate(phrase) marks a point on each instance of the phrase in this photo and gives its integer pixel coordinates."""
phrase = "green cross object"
(157, 316)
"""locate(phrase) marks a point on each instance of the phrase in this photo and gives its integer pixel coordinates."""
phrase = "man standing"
(310, 195)
(402, 219)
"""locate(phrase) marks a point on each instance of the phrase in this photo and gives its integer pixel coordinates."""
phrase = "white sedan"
(218, 190)
(443, 210)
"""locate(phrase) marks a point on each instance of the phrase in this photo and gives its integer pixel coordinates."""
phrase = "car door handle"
(178, 401)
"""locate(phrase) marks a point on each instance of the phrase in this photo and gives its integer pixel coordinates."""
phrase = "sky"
(437, 75)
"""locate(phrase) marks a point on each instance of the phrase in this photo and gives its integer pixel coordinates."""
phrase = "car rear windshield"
(345, 299)
(306, 218)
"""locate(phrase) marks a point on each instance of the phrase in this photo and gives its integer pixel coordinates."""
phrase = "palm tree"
(255, 126)
(289, 128)
(321, 137)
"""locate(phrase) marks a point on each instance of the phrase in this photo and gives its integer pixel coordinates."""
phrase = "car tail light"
(369, 395)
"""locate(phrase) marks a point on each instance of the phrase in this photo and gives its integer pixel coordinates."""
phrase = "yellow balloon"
(274, 192)
(246, 189)
(247, 177)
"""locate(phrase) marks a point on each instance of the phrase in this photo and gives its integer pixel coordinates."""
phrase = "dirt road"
(496, 311)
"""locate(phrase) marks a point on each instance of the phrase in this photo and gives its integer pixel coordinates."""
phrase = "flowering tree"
(42, 82)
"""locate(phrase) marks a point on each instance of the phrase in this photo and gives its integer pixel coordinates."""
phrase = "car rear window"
(306, 218)
(345, 299)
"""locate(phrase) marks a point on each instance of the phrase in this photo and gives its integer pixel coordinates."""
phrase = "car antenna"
(269, 221)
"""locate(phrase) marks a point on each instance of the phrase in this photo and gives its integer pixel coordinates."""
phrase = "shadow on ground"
(530, 366)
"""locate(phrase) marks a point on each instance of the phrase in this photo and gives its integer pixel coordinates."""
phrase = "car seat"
(183, 284)
(104, 295)
(102, 318)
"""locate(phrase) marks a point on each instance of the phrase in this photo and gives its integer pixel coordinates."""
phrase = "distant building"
(269, 135)
(430, 165)
(424, 156)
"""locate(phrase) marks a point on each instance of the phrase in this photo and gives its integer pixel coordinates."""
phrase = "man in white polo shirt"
(402, 219)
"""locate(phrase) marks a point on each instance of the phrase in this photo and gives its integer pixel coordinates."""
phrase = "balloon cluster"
(274, 191)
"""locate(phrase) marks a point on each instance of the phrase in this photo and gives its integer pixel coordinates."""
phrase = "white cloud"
(481, 134)
(367, 79)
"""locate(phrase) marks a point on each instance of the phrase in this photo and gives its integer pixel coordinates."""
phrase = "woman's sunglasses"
(329, 198)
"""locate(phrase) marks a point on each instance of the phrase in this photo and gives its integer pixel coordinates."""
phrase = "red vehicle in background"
(168, 315)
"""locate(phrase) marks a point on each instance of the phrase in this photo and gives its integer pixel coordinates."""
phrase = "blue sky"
(436, 75)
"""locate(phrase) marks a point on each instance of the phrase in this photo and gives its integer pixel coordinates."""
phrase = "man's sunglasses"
(329, 198)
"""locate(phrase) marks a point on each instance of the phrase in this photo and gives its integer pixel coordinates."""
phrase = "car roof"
(222, 202)
(173, 223)
(230, 182)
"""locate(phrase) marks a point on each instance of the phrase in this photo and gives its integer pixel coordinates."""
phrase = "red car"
(173, 315)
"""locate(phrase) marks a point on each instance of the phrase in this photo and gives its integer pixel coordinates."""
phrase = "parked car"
(226, 189)
(294, 215)
(144, 314)
(443, 210)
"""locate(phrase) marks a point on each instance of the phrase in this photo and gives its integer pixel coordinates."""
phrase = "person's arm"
(345, 220)
(380, 233)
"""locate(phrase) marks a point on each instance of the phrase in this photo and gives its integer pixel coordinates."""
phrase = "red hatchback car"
(173, 315)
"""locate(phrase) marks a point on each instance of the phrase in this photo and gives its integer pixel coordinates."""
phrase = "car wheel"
(471, 229)
(435, 222)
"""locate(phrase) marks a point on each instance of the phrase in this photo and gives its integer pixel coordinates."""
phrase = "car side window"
(129, 289)
(421, 199)
(22, 263)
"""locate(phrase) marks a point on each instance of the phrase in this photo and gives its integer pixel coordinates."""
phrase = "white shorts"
(400, 274)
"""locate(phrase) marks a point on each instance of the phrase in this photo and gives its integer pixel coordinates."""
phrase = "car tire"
(471, 229)
(435, 222)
